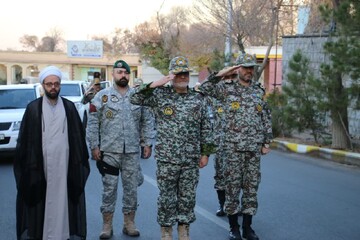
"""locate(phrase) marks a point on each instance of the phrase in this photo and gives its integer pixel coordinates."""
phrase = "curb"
(339, 156)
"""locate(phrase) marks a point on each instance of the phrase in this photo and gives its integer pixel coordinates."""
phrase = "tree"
(253, 22)
(340, 77)
(51, 42)
(120, 41)
(282, 121)
(30, 42)
(202, 46)
(168, 35)
(316, 23)
(150, 43)
(158, 40)
(217, 60)
(301, 91)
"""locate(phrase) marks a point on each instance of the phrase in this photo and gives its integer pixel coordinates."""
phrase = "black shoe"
(249, 234)
(234, 234)
(220, 212)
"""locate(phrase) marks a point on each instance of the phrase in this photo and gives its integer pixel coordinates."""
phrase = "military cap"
(179, 65)
(122, 64)
(246, 60)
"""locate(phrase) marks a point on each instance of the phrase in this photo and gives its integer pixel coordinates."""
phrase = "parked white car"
(13, 102)
(14, 99)
(74, 90)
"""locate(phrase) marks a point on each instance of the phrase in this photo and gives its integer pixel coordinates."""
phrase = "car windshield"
(104, 85)
(70, 90)
(16, 98)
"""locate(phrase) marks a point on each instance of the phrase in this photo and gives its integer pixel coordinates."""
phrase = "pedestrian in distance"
(248, 134)
(51, 166)
(114, 132)
(93, 89)
(184, 142)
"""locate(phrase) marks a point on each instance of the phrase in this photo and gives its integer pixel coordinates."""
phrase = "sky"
(77, 19)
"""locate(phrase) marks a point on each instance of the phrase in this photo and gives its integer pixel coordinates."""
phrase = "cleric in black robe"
(30, 176)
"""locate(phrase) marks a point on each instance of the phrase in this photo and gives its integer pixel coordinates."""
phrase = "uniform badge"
(109, 114)
(220, 110)
(104, 98)
(259, 108)
(168, 111)
(114, 98)
(235, 105)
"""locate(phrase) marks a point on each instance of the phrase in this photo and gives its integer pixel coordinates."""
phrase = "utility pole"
(276, 45)
(227, 51)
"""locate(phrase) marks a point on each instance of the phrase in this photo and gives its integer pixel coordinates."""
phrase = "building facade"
(20, 66)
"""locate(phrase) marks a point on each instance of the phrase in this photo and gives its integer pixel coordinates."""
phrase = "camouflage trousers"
(219, 165)
(130, 173)
(177, 184)
(242, 173)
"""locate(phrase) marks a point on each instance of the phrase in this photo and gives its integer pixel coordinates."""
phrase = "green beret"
(122, 64)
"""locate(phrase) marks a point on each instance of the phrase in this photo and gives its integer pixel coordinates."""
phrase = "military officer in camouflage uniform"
(220, 159)
(216, 115)
(93, 89)
(114, 133)
(248, 134)
(183, 144)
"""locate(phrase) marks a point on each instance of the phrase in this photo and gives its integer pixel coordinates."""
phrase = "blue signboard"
(85, 49)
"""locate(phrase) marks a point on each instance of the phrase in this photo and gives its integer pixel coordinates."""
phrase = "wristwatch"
(266, 145)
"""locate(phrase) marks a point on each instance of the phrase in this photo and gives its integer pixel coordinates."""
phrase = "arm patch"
(92, 108)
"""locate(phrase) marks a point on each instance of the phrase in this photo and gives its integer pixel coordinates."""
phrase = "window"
(16, 98)
(70, 90)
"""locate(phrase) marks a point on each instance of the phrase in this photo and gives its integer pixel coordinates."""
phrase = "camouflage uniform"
(247, 127)
(115, 126)
(183, 135)
(219, 161)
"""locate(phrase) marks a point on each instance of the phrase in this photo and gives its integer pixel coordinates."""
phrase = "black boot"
(234, 233)
(221, 196)
(248, 232)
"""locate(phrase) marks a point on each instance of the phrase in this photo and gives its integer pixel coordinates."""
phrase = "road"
(299, 198)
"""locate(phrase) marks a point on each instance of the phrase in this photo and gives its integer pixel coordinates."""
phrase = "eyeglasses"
(50, 84)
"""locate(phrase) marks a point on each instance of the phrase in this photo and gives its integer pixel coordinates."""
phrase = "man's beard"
(245, 79)
(53, 94)
(123, 82)
(180, 85)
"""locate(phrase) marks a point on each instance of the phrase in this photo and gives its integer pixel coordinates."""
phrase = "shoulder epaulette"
(259, 85)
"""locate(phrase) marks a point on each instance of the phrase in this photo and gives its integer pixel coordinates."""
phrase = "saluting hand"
(227, 71)
(164, 80)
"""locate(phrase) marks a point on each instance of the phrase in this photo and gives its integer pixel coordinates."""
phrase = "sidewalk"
(339, 156)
